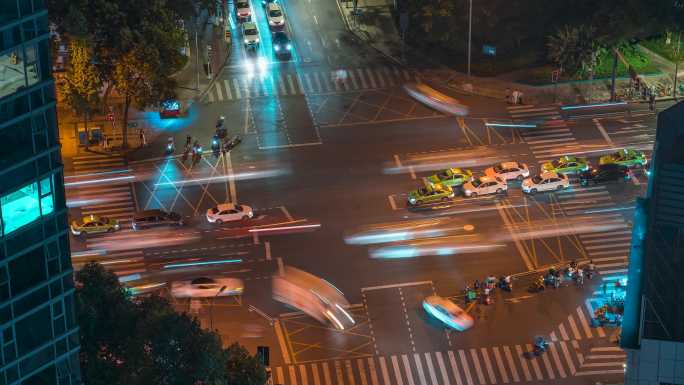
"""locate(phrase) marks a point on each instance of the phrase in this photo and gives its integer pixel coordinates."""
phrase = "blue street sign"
(489, 50)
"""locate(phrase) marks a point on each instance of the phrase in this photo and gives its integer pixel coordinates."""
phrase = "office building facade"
(38, 333)
(653, 323)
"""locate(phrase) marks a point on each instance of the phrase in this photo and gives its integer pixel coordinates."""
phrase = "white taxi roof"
(510, 165)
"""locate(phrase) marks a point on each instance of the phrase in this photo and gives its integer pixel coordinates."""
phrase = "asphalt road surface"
(325, 163)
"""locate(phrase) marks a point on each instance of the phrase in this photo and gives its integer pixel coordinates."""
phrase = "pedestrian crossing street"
(112, 198)
(316, 82)
(531, 112)
(550, 140)
(485, 365)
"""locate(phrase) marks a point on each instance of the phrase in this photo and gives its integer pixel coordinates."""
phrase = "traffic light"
(263, 355)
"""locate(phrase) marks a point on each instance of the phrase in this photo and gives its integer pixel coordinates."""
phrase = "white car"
(484, 185)
(204, 287)
(250, 33)
(243, 10)
(228, 212)
(447, 312)
(547, 181)
(274, 14)
(508, 171)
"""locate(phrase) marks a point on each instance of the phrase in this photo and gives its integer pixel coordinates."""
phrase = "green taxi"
(452, 177)
(625, 157)
(429, 194)
(93, 224)
(566, 164)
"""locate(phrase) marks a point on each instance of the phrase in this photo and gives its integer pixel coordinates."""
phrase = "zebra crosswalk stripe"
(442, 369)
(431, 368)
(511, 363)
(556, 358)
(308, 82)
(238, 94)
(318, 82)
(362, 78)
(500, 364)
(302, 373)
(326, 374)
(568, 357)
(293, 375)
(229, 93)
(280, 377)
(419, 366)
(455, 371)
(478, 368)
(534, 363)
(407, 369)
(381, 81)
(373, 371)
(371, 79)
(290, 82)
(300, 84)
(547, 366)
(219, 95)
(397, 371)
(464, 365)
(314, 373)
(383, 370)
(388, 74)
(488, 365)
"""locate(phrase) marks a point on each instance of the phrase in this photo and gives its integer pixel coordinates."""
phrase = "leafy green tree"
(241, 368)
(81, 84)
(141, 341)
(573, 48)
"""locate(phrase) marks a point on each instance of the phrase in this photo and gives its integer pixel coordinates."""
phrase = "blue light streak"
(188, 264)
(577, 107)
(510, 125)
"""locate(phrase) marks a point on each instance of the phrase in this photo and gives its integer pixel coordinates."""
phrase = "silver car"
(250, 33)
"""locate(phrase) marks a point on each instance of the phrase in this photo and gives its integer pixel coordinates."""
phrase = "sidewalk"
(375, 25)
(190, 88)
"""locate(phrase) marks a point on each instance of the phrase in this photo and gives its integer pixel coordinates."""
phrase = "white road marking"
(373, 372)
(383, 369)
(393, 286)
(267, 246)
(393, 204)
(603, 132)
(229, 94)
(464, 365)
(238, 94)
(397, 372)
(286, 213)
(488, 365)
(511, 363)
(407, 369)
(421, 374)
(568, 357)
(302, 373)
(500, 364)
(290, 145)
(281, 266)
(442, 369)
(326, 374)
(523, 363)
(478, 368)
(231, 178)
(314, 17)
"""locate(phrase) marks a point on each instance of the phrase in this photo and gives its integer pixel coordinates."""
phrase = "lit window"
(20, 207)
(46, 201)
(25, 205)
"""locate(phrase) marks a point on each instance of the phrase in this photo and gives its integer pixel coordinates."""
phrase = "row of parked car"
(95, 224)
(612, 167)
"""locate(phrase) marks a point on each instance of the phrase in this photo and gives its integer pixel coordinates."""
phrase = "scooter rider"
(590, 269)
(540, 344)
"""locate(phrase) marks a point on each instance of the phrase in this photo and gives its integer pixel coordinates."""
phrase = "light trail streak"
(581, 106)
(511, 125)
(189, 264)
(223, 178)
(97, 181)
(98, 173)
(285, 228)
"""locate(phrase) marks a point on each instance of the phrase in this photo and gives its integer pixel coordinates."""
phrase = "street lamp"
(470, 31)
(211, 307)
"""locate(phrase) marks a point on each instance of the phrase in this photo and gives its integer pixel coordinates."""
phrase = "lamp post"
(470, 31)
(676, 57)
(211, 307)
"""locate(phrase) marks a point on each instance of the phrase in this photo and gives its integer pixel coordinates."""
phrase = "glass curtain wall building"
(38, 333)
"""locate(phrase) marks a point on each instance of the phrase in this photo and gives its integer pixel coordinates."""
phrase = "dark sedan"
(282, 46)
(604, 173)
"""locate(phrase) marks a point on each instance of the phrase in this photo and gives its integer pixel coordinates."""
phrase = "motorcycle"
(540, 346)
(221, 131)
(216, 145)
(170, 146)
(505, 284)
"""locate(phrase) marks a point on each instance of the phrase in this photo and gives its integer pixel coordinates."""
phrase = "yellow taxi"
(93, 224)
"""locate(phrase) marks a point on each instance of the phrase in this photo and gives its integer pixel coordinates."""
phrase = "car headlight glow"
(261, 63)
(289, 47)
(276, 48)
(246, 41)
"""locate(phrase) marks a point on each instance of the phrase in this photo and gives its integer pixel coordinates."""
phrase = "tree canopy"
(141, 341)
